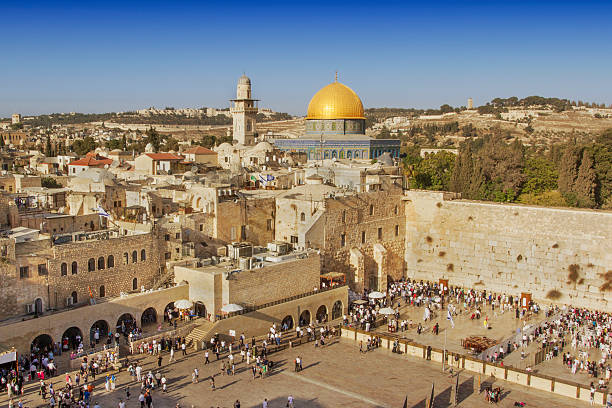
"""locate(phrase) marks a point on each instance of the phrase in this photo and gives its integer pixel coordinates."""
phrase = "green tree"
(48, 150)
(586, 181)
(154, 138)
(171, 144)
(49, 182)
(541, 175)
(83, 146)
(433, 172)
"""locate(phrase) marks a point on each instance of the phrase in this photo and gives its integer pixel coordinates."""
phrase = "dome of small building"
(244, 80)
(264, 146)
(335, 101)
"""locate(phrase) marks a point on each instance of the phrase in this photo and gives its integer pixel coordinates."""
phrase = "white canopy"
(386, 311)
(183, 304)
(232, 307)
(376, 295)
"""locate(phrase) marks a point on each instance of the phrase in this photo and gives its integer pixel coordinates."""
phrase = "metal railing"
(249, 309)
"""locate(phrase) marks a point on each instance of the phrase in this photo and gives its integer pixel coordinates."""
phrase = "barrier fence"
(457, 360)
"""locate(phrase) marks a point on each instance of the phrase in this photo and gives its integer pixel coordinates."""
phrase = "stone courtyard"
(335, 375)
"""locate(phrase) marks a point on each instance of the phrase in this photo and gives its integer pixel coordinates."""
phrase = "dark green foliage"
(489, 169)
(50, 182)
(83, 146)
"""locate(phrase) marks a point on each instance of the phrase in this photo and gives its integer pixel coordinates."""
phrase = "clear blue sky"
(106, 56)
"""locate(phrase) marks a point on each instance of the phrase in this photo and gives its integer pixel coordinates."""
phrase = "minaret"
(244, 111)
(470, 104)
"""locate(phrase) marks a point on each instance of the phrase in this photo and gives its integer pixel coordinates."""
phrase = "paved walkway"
(333, 376)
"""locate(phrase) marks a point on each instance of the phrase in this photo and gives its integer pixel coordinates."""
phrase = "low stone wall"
(76, 362)
(510, 374)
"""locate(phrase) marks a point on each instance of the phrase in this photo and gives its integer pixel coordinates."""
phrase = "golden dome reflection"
(335, 101)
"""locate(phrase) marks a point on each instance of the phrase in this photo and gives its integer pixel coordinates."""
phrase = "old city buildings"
(256, 225)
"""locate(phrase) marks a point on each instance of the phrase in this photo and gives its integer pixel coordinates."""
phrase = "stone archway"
(101, 328)
(305, 318)
(71, 338)
(337, 310)
(287, 323)
(199, 309)
(125, 323)
(321, 315)
(169, 308)
(42, 342)
(149, 316)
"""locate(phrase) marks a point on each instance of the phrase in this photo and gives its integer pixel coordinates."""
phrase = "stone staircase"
(199, 333)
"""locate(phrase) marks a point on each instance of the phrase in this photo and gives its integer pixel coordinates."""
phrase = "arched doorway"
(305, 318)
(42, 342)
(38, 306)
(99, 331)
(125, 323)
(71, 338)
(200, 309)
(287, 323)
(321, 315)
(149, 316)
(169, 312)
(337, 310)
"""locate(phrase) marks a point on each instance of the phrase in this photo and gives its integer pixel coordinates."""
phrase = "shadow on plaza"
(298, 402)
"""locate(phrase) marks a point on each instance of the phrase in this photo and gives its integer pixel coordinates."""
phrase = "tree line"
(576, 174)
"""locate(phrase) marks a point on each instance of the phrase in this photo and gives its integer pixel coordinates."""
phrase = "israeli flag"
(262, 180)
(449, 316)
(102, 213)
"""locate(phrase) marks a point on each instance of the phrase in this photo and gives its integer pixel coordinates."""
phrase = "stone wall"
(20, 334)
(557, 254)
(276, 282)
(256, 216)
(116, 279)
(365, 220)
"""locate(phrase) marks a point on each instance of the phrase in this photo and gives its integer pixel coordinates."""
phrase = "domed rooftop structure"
(335, 101)
(244, 80)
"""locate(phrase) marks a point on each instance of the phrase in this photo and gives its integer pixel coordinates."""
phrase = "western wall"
(559, 255)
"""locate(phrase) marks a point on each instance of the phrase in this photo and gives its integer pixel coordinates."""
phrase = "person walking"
(171, 354)
(184, 348)
(206, 361)
(290, 401)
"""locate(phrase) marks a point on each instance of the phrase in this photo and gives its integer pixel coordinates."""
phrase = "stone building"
(244, 112)
(275, 278)
(361, 234)
(55, 273)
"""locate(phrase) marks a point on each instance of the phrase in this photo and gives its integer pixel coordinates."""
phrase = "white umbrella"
(232, 307)
(386, 311)
(183, 304)
(360, 302)
(376, 295)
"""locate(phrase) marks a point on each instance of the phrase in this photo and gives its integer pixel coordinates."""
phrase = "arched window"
(126, 258)
(143, 255)
(111, 261)
(135, 284)
(134, 256)
(302, 217)
(64, 269)
(101, 263)
(91, 265)
(74, 297)
(75, 267)
(371, 209)
(102, 291)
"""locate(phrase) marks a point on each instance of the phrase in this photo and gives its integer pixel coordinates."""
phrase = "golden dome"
(335, 101)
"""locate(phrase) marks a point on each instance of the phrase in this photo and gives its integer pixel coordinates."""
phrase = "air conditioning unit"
(69, 301)
(30, 308)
